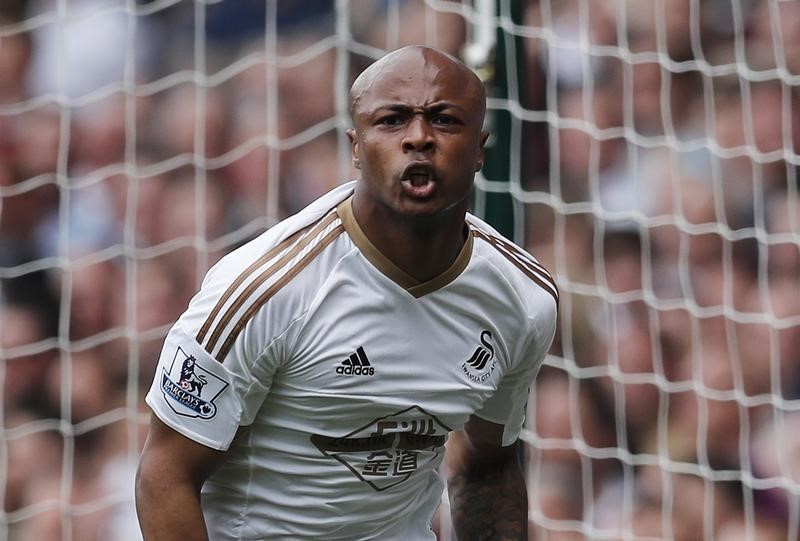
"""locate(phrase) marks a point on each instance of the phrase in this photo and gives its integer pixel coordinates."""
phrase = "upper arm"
(478, 447)
(169, 457)
(172, 470)
(483, 435)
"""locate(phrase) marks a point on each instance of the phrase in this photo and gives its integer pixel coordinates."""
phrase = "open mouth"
(418, 180)
(419, 176)
(418, 173)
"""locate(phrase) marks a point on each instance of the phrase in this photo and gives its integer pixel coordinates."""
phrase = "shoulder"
(314, 225)
(520, 269)
(287, 259)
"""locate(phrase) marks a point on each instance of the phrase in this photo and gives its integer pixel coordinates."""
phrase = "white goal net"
(645, 151)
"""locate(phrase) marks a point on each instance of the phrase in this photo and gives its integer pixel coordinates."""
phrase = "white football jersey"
(348, 374)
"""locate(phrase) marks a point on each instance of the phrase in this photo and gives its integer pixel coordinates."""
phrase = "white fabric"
(338, 454)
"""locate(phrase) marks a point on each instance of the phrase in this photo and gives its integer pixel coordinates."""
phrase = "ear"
(351, 134)
(482, 152)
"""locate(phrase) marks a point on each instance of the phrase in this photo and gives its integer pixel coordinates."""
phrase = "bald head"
(409, 64)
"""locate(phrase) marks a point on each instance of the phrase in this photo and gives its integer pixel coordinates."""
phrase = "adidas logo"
(356, 364)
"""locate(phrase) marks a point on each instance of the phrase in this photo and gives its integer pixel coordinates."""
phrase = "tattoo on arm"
(489, 501)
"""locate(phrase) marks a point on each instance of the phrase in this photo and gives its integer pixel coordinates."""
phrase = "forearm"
(489, 502)
(169, 511)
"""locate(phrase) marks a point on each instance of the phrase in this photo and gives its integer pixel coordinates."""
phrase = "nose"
(417, 137)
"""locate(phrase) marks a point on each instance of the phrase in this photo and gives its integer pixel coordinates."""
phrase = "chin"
(425, 209)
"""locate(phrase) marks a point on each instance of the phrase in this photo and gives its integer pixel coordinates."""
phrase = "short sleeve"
(200, 397)
(508, 404)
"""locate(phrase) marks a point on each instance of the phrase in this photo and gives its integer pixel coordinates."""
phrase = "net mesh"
(645, 152)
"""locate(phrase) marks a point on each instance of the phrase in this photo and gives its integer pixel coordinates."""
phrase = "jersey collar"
(392, 271)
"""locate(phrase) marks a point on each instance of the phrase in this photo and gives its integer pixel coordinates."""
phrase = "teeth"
(419, 179)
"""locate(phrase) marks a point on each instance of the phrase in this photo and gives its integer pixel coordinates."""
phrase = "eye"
(390, 120)
(444, 120)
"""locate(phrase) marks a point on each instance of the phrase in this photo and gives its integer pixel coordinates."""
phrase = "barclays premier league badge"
(189, 388)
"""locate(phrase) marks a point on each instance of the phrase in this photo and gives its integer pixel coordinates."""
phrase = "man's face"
(417, 139)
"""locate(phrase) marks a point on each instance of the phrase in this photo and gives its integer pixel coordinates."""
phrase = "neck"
(423, 247)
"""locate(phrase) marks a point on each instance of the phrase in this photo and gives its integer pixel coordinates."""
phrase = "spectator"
(28, 357)
(15, 54)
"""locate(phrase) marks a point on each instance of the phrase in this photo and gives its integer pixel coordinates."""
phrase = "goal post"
(645, 152)
(489, 58)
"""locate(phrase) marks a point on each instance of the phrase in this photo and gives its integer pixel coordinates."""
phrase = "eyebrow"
(407, 109)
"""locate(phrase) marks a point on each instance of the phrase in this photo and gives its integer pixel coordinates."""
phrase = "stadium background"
(645, 151)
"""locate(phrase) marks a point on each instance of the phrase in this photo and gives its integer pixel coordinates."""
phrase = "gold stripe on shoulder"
(242, 277)
(289, 251)
(526, 256)
(522, 260)
(274, 288)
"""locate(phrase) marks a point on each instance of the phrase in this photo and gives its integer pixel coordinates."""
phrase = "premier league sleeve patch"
(189, 389)
(194, 394)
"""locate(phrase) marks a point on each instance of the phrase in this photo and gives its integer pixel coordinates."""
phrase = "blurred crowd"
(141, 141)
